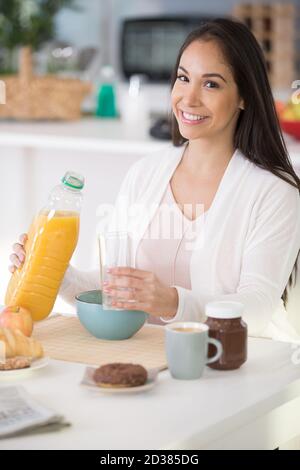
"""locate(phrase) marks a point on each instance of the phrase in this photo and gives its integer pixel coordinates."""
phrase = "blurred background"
(87, 89)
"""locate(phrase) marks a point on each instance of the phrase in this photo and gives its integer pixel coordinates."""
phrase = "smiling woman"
(219, 211)
(242, 84)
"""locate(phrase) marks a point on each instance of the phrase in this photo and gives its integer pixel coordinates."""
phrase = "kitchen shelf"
(274, 26)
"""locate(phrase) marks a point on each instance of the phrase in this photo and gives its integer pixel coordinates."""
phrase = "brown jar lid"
(224, 309)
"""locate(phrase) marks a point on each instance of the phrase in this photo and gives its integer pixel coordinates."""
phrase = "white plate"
(88, 382)
(36, 364)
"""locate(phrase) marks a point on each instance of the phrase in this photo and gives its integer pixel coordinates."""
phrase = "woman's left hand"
(148, 293)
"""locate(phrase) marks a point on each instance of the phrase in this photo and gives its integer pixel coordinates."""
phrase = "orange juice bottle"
(52, 238)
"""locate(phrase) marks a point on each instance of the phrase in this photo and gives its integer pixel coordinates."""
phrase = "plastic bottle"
(135, 112)
(52, 239)
(106, 101)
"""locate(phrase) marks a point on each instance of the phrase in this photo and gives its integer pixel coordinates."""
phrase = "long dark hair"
(258, 134)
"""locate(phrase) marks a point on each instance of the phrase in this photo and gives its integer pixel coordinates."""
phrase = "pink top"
(167, 245)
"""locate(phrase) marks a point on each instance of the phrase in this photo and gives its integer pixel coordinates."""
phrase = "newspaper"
(20, 414)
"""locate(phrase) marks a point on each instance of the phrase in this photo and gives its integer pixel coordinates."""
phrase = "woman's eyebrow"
(212, 74)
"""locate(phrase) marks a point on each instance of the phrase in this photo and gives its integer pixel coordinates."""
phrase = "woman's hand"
(18, 256)
(148, 293)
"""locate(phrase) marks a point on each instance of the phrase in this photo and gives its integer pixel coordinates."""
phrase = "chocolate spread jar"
(225, 323)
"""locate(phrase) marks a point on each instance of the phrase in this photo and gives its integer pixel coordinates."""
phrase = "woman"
(229, 157)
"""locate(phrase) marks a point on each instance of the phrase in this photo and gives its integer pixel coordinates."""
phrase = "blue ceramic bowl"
(107, 324)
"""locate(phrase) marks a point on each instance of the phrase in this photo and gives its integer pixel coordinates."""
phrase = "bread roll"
(17, 344)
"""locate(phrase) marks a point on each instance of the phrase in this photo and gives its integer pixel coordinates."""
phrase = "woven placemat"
(65, 339)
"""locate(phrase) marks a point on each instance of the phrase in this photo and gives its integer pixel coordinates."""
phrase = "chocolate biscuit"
(120, 375)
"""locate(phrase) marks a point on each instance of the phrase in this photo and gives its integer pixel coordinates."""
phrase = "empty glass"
(115, 250)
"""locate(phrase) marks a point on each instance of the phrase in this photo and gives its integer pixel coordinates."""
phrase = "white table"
(256, 407)
(85, 135)
(95, 135)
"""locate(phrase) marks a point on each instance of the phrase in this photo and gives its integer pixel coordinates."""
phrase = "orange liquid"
(52, 238)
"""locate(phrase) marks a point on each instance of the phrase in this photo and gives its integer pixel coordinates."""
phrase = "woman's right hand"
(18, 256)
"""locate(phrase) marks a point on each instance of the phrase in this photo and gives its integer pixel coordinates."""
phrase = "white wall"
(81, 27)
(98, 20)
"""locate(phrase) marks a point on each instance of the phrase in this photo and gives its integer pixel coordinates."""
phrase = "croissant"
(17, 344)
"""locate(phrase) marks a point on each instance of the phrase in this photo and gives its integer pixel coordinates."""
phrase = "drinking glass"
(115, 250)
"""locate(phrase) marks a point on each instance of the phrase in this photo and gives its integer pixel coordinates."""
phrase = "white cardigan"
(251, 240)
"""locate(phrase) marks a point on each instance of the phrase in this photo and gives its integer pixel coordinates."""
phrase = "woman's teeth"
(192, 117)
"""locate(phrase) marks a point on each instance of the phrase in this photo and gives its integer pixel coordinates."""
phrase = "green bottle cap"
(73, 180)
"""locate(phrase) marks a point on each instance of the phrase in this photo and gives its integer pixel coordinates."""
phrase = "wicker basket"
(30, 97)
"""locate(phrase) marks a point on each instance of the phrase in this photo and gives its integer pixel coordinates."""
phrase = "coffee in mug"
(187, 349)
(187, 330)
